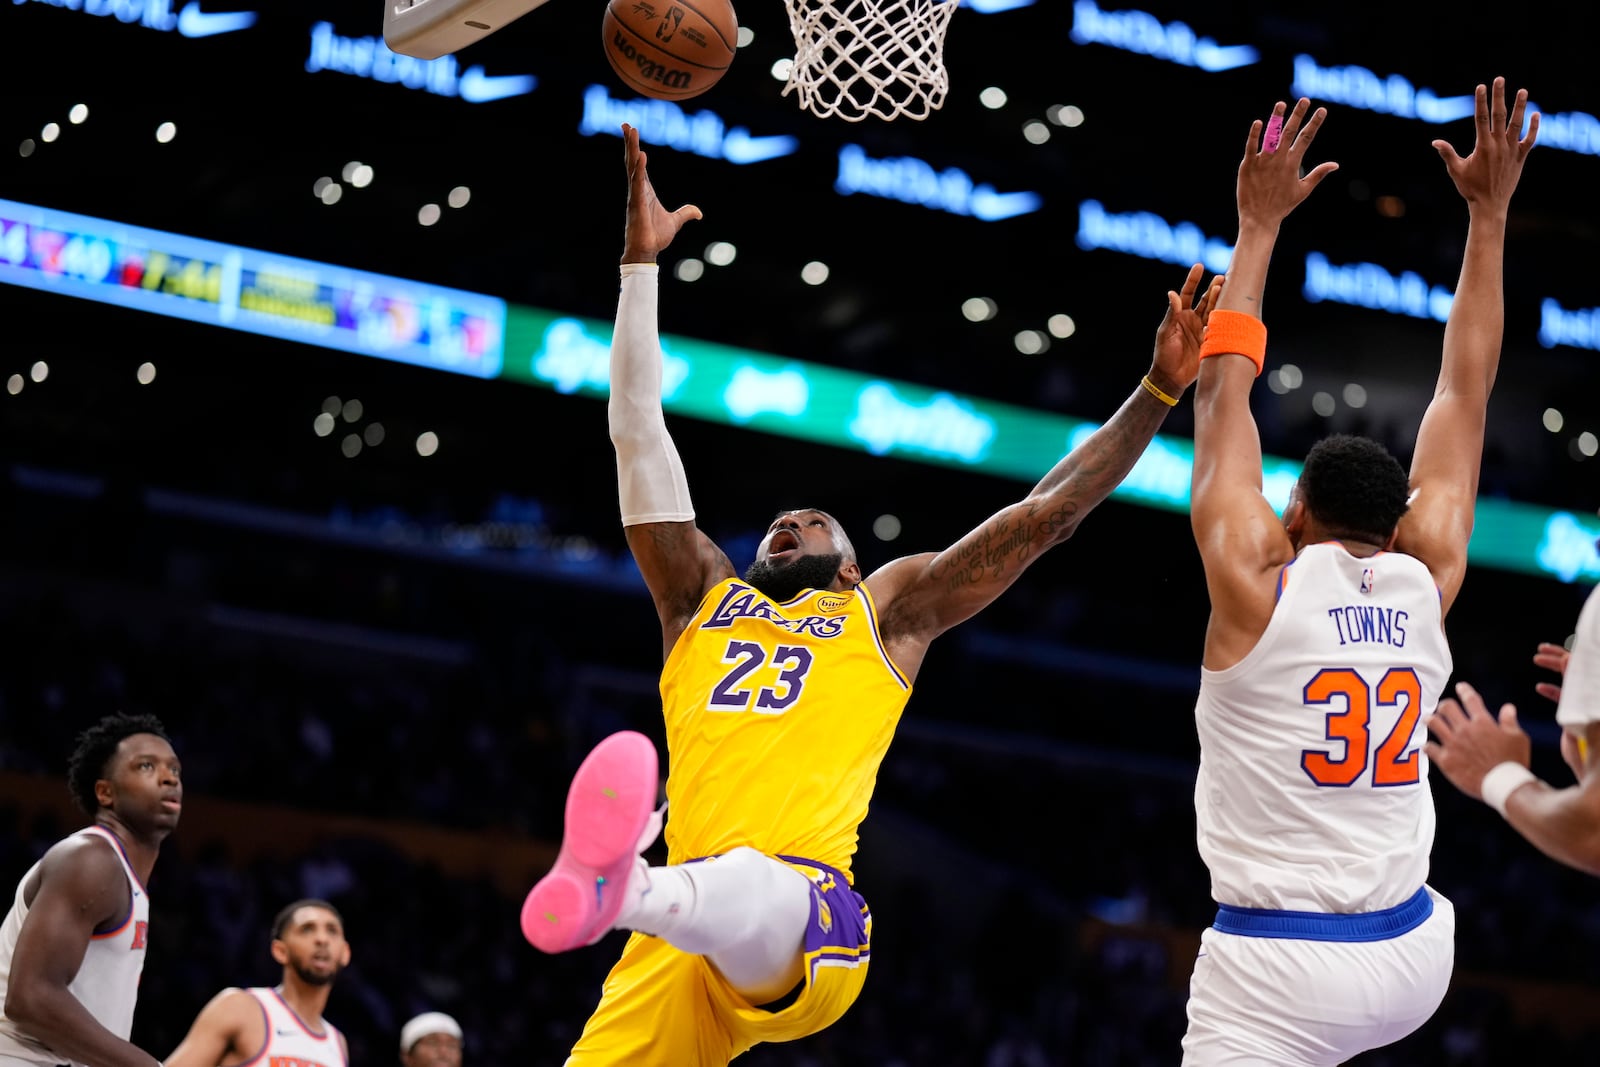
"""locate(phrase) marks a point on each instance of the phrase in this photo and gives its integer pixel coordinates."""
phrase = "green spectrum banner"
(882, 416)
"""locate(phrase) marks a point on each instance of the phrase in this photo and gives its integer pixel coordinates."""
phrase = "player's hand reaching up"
(1176, 363)
(1270, 185)
(1469, 741)
(1489, 175)
(651, 227)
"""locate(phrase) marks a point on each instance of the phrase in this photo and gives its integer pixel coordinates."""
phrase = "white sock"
(744, 910)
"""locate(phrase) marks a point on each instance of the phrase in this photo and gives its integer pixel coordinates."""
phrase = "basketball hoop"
(855, 58)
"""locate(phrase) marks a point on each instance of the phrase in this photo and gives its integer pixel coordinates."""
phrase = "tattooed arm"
(920, 597)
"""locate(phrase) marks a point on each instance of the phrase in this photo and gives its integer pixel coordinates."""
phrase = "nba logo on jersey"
(1366, 580)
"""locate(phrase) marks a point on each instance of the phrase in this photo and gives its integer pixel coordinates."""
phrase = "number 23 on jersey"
(764, 680)
(1395, 761)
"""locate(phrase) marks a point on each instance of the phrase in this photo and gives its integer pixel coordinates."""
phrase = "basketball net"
(855, 58)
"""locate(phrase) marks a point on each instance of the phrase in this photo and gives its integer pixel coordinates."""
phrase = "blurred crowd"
(1029, 856)
(988, 949)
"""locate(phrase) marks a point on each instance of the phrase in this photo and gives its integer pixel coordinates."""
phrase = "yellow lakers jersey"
(778, 716)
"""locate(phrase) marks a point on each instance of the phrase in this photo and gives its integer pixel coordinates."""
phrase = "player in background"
(781, 692)
(432, 1039)
(1325, 651)
(73, 945)
(1486, 757)
(282, 1025)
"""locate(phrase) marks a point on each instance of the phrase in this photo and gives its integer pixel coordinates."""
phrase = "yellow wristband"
(1155, 390)
(1235, 333)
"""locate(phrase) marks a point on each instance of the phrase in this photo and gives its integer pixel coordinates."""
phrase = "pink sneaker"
(610, 809)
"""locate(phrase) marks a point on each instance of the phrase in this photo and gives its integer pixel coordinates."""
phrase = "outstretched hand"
(651, 227)
(1176, 363)
(1470, 742)
(1489, 175)
(1270, 185)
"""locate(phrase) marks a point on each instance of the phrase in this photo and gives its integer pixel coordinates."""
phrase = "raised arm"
(678, 562)
(922, 596)
(1242, 544)
(80, 886)
(230, 1028)
(1449, 452)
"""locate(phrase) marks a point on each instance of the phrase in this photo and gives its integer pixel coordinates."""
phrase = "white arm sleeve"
(650, 481)
(1580, 687)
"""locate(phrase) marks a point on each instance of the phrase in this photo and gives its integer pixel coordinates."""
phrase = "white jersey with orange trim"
(107, 982)
(289, 1041)
(1313, 790)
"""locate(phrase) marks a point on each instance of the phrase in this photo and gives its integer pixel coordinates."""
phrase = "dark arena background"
(303, 448)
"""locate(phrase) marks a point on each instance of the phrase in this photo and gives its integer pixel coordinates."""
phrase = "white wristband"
(1502, 780)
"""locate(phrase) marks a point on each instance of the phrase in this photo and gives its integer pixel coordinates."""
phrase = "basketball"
(670, 49)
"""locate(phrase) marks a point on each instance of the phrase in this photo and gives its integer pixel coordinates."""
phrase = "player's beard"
(312, 978)
(784, 581)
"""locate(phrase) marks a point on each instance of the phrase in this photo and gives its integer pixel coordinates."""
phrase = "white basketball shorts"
(1294, 988)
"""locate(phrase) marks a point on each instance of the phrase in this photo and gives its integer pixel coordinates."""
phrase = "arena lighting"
(250, 290)
(913, 181)
(1371, 286)
(370, 58)
(1149, 236)
(663, 123)
(480, 336)
(1359, 87)
(1576, 329)
(189, 20)
(1144, 34)
(1356, 86)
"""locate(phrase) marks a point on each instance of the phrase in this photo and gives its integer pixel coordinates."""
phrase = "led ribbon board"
(244, 289)
(469, 333)
(882, 416)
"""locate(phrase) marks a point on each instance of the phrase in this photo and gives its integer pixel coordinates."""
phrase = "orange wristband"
(1235, 333)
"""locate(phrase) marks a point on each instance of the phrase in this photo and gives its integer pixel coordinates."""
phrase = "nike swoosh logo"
(1432, 108)
(1210, 56)
(476, 87)
(989, 205)
(739, 147)
(990, 7)
(285, 1033)
(192, 22)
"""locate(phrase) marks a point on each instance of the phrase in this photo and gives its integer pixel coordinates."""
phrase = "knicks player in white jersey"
(1325, 653)
(72, 946)
(282, 1026)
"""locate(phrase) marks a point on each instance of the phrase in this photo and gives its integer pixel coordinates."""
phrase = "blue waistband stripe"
(1326, 926)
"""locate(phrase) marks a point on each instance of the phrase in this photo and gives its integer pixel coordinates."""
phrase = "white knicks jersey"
(1313, 789)
(107, 982)
(289, 1042)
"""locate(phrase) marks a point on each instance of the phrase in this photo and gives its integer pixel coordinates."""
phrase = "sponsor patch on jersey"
(832, 603)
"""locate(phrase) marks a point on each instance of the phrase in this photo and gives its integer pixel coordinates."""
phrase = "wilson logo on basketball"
(649, 69)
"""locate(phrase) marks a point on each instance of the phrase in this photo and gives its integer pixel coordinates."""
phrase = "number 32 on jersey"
(1395, 761)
